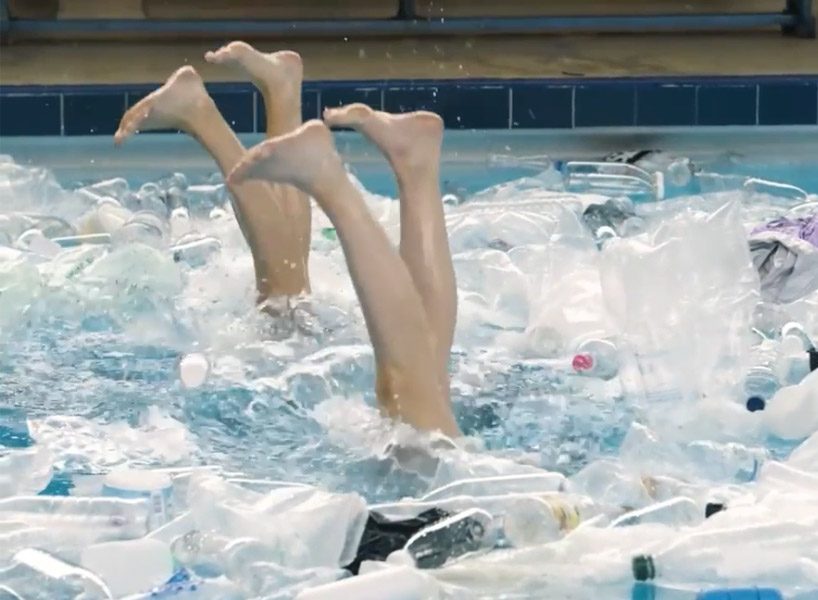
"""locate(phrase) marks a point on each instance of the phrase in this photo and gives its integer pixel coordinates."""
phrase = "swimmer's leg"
(183, 103)
(402, 341)
(278, 76)
(411, 142)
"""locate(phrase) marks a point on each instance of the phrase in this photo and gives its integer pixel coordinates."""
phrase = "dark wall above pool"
(471, 104)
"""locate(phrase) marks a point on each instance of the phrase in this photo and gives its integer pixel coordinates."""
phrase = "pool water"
(90, 339)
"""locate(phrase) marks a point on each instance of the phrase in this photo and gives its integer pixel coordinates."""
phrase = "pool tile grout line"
(463, 104)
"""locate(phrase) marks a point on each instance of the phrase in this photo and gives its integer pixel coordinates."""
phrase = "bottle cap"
(582, 362)
(712, 508)
(643, 567)
(755, 403)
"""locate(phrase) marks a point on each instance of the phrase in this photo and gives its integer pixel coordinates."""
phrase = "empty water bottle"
(793, 411)
(37, 575)
(470, 531)
(675, 512)
(251, 564)
(546, 481)
(535, 520)
(95, 519)
(196, 253)
(596, 358)
(129, 567)
(24, 470)
(703, 555)
(761, 383)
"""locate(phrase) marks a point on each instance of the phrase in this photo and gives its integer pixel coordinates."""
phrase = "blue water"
(90, 350)
(77, 356)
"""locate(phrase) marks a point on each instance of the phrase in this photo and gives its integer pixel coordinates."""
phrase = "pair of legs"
(408, 297)
(274, 218)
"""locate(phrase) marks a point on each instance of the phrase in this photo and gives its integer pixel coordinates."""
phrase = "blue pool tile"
(339, 96)
(29, 115)
(788, 103)
(536, 105)
(236, 108)
(309, 108)
(462, 107)
(605, 105)
(668, 104)
(92, 114)
(724, 104)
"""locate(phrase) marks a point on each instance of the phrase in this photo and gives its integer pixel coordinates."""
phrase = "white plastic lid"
(193, 370)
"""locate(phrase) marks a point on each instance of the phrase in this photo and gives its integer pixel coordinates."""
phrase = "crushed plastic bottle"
(546, 481)
(38, 575)
(25, 470)
(129, 567)
(97, 519)
(793, 412)
(675, 512)
(470, 531)
(596, 358)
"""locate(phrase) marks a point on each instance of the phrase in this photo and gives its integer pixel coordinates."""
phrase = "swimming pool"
(91, 338)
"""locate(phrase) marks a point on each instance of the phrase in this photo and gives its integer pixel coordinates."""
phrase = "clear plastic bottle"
(596, 358)
(761, 382)
(93, 518)
(675, 512)
(470, 531)
(705, 554)
(533, 520)
(25, 470)
(37, 575)
(793, 411)
(242, 560)
(197, 252)
(506, 484)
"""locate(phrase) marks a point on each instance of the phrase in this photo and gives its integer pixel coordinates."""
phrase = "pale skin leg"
(183, 103)
(278, 76)
(411, 143)
(407, 386)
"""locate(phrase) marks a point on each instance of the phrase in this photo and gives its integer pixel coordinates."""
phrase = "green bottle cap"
(329, 233)
(643, 568)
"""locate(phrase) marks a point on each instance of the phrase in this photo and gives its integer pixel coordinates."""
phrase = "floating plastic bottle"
(467, 532)
(675, 512)
(254, 566)
(793, 412)
(505, 484)
(37, 575)
(596, 358)
(154, 486)
(24, 470)
(196, 253)
(700, 554)
(129, 567)
(533, 520)
(95, 518)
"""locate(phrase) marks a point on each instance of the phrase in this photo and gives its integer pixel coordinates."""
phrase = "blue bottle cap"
(755, 403)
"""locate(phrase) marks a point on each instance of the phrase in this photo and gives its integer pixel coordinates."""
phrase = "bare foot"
(170, 107)
(305, 158)
(408, 140)
(280, 72)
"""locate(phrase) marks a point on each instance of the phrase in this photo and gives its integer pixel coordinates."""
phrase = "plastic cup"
(155, 486)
